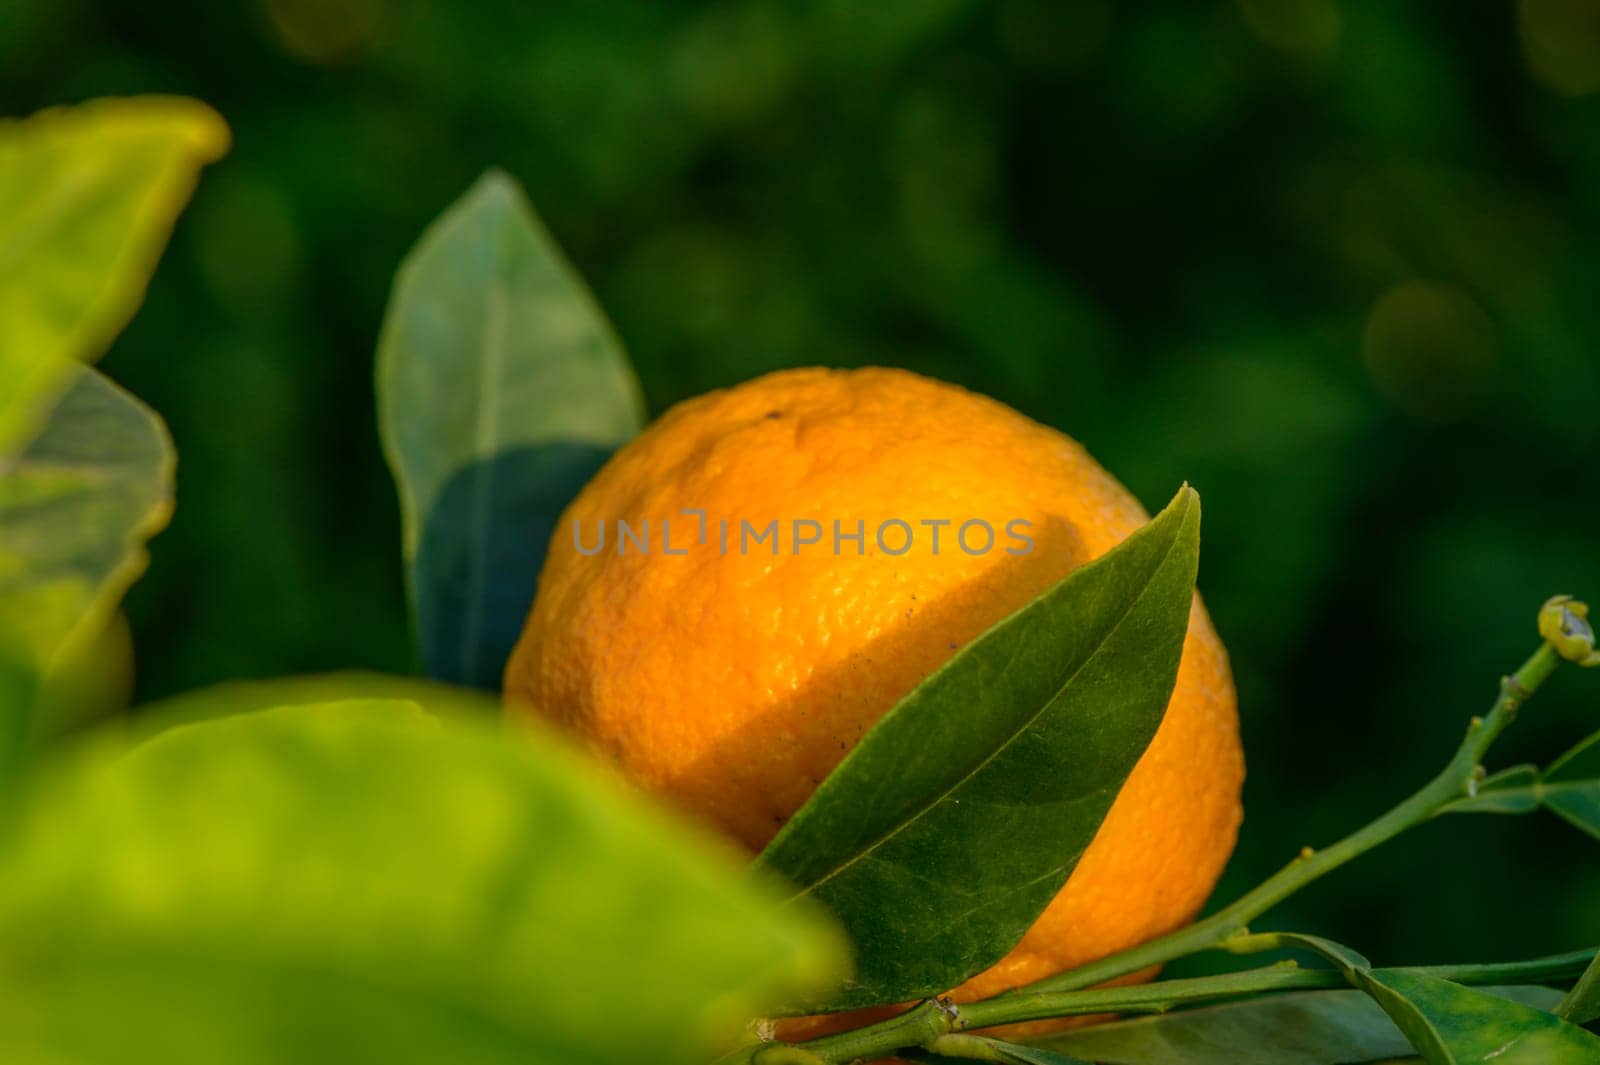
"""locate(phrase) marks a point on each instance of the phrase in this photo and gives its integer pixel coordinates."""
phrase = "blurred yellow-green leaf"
(363, 882)
(90, 682)
(88, 196)
(76, 508)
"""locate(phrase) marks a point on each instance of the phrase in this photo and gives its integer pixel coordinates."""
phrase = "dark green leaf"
(76, 508)
(1582, 1004)
(947, 830)
(88, 196)
(501, 390)
(1578, 803)
(1572, 786)
(362, 882)
(1300, 1028)
(1454, 1025)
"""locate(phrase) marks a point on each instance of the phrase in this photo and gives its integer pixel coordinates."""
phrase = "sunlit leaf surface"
(88, 196)
(364, 883)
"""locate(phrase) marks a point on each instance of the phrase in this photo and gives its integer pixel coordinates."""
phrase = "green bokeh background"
(1332, 262)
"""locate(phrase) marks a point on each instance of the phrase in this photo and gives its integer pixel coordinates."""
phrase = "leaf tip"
(1184, 507)
(498, 185)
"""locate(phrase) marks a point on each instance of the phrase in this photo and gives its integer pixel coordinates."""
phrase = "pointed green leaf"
(1300, 1028)
(1347, 961)
(945, 832)
(1576, 802)
(1572, 786)
(501, 390)
(1453, 1025)
(1569, 788)
(363, 882)
(1450, 1024)
(76, 508)
(88, 196)
(1582, 1004)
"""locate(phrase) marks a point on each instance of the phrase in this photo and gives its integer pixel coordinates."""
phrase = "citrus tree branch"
(1075, 993)
(929, 1025)
(1458, 779)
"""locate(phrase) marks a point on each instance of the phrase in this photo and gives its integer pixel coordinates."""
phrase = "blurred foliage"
(76, 507)
(238, 890)
(1330, 261)
(88, 196)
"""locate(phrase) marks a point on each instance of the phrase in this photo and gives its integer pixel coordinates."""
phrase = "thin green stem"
(917, 1027)
(1169, 994)
(969, 1047)
(1457, 779)
(933, 1022)
(1075, 993)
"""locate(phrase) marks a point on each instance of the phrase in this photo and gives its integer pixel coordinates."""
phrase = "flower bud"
(1564, 623)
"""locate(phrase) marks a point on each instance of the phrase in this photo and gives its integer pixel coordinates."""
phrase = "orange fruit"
(730, 680)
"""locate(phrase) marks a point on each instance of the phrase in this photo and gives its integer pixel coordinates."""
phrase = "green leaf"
(19, 688)
(1450, 1024)
(1454, 1025)
(247, 696)
(75, 511)
(1343, 958)
(941, 837)
(1569, 788)
(967, 1048)
(362, 882)
(1016, 1054)
(88, 196)
(1299, 1028)
(1582, 1004)
(501, 390)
